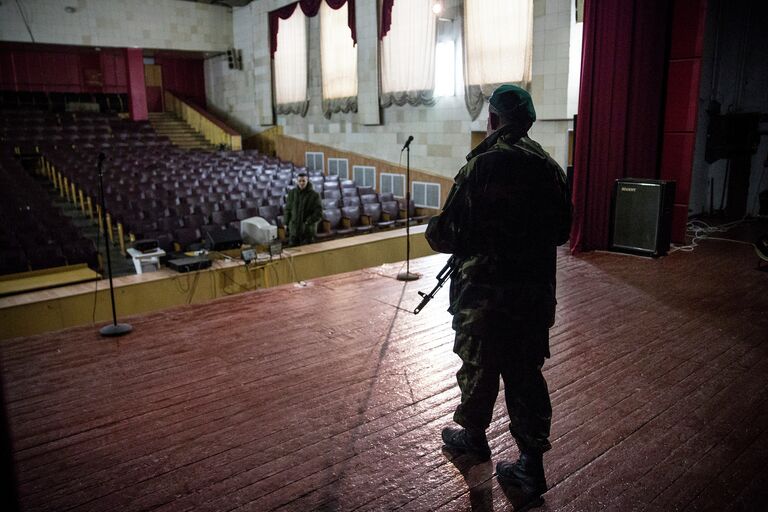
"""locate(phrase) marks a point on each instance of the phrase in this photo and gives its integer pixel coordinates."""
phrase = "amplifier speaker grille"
(642, 216)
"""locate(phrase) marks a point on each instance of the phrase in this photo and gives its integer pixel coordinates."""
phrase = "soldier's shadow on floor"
(518, 499)
(479, 479)
(477, 475)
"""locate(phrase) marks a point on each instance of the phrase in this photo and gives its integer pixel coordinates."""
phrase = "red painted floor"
(329, 397)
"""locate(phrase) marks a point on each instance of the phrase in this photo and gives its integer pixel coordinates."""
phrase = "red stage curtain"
(310, 8)
(618, 132)
(386, 17)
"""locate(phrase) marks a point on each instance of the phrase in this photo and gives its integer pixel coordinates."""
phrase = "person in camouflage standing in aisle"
(303, 210)
(508, 210)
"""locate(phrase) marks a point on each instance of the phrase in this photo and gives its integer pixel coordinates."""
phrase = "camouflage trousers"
(525, 390)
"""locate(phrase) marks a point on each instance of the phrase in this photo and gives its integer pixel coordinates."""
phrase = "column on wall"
(681, 111)
(137, 93)
(263, 72)
(368, 111)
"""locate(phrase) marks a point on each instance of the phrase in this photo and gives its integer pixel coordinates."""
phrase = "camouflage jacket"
(505, 215)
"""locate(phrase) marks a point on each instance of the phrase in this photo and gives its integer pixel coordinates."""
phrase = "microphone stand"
(115, 329)
(407, 275)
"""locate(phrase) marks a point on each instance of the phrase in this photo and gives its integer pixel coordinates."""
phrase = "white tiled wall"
(442, 133)
(166, 24)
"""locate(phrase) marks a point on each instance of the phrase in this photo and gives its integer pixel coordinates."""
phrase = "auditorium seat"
(330, 203)
(372, 211)
(361, 191)
(143, 229)
(253, 202)
(187, 239)
(410, 214)
(246, 213)
(351, 201)
(45, 256)
(170, 223)
(269, 213)
(369, 198)
(194, 220)
(331, 194)
(13, 260)
(223, 218)
(82, 250)
(352, 218)
(390, 211)
(205, 208)
(332, 221)
(164, 240)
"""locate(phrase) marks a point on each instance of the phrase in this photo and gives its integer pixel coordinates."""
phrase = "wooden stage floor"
(328, 397)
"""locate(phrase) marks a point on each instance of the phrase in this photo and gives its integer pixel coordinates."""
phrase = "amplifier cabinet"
(641, 216)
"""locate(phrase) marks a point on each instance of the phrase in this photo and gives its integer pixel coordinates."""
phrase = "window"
(338, 53)
(426, 195)
(393, 183)
(338, 167)
(314, 161)
(291, 60)
(498, 41)
(408, 53)
(445, 68)
(364, 176)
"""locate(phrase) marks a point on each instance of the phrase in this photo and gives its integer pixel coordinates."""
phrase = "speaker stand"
(115, 329)
(407, 275)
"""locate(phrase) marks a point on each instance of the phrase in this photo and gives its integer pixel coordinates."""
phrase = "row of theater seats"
(58, 101)
(34, 234)
(154, 194)
(352, 209)
(36, 131)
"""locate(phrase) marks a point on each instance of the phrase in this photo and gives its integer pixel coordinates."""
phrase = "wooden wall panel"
(292, 150)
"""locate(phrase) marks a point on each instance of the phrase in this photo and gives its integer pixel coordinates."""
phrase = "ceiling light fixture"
(70, 9)
(437, 7)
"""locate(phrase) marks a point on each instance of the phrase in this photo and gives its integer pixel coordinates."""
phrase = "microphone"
(407, 143)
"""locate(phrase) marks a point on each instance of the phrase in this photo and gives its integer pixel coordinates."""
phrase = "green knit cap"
(513, 102)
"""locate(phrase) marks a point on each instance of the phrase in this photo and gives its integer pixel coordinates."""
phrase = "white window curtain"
(338, 61)
(291, 65)
(408, 55)
(497, 47)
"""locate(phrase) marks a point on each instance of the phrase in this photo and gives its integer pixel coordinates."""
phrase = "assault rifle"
(446, 273)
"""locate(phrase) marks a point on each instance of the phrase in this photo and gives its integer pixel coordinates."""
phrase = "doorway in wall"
(153, 79)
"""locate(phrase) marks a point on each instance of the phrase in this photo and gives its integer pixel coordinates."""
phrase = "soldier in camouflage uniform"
(507, 212)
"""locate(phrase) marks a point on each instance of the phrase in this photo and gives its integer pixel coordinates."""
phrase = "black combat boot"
(468, 441)
(527, 473)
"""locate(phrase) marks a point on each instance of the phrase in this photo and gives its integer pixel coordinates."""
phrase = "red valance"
(310, 8)
(386, 17)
